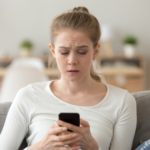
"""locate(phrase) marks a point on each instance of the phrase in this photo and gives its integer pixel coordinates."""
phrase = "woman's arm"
(125, 126)
(17, 120)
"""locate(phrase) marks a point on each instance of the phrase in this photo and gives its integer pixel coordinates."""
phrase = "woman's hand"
(52, 141)
(77, 143)
(87, 142)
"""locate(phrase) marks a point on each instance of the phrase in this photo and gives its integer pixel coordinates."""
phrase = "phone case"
(72, 118)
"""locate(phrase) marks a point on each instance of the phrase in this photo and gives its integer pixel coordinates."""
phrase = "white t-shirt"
(35, 108)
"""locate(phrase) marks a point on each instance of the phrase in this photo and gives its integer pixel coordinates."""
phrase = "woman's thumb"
(84, 123)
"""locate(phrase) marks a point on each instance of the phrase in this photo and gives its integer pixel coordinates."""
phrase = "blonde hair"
(78, 18)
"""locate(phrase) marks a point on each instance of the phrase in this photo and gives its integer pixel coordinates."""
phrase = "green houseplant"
(26, 47)
(129, 45)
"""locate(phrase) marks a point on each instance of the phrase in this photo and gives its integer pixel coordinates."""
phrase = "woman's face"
(74, 51)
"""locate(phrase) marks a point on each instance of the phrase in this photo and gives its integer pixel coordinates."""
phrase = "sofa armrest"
(4, 108)
(143, 118)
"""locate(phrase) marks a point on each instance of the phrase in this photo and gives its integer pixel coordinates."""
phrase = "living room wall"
(31, 19)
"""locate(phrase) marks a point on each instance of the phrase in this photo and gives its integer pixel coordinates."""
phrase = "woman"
(108, 113)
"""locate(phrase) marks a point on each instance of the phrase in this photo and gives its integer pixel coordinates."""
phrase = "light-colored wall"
(21, 19)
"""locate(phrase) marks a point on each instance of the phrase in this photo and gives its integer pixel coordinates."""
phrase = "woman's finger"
(68, 141)
(68, 148)
(68, 125)
(84, 123)
(53, 125)
(65, 137)
(71, 143)
(56, 130)
(74, 144)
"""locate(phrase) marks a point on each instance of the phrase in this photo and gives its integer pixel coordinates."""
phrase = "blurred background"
(24, 38)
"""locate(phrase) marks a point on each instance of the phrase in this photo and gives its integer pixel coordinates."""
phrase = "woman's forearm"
(36, 146)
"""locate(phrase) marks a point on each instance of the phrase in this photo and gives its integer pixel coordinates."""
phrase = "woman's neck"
(77, 87)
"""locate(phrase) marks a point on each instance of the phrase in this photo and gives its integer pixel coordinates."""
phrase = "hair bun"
(80, 9)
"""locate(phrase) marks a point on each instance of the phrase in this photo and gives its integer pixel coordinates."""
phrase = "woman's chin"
(75, 79)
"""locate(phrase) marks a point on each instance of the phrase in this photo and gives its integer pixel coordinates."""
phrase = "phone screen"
(72, 118)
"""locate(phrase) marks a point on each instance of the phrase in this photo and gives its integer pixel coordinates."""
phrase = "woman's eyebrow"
(83, 46)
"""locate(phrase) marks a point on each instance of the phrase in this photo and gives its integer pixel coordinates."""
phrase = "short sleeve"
(125, 126)
(18, 118)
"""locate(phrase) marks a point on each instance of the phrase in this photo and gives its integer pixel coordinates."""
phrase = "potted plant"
(26, 47)
(129, 45)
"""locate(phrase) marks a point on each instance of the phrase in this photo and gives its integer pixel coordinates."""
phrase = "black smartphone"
(72, 118)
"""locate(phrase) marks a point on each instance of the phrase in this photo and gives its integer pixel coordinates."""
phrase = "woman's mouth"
(73, 71)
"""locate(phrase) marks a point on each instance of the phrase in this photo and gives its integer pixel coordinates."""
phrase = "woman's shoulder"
(119, 94)
(28, 93)
(115, 90)
(120, 99)
(40, 84)
(34, 86)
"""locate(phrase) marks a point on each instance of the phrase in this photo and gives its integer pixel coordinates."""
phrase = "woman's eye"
(64, 53)
(79, 53)
(82, 53)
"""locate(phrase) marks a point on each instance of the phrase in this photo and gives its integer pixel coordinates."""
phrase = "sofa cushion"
(143, 118)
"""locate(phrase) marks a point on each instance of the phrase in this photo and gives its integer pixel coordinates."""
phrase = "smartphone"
(72, 118)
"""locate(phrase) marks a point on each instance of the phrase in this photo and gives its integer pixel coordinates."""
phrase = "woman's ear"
(96, 51)
(52, 50)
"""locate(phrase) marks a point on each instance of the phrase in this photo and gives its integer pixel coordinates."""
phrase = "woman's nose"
(72, 60)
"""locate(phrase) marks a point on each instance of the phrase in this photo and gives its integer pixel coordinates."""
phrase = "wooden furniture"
(127, 73)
